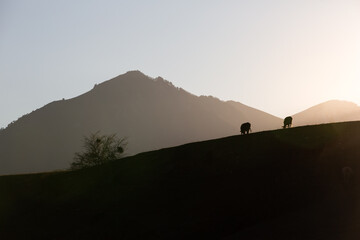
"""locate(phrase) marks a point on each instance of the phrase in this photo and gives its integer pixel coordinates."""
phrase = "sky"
(278, 56)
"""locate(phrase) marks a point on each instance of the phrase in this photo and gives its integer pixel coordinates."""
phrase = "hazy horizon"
(279, 57)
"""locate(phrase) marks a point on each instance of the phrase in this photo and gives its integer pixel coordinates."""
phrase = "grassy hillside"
(283, 184)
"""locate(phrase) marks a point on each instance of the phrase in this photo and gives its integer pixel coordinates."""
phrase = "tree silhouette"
(99, 149)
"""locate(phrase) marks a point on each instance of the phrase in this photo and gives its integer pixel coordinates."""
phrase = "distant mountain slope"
(267, 120)
(328, 112)
(152, 113)
(283, 184)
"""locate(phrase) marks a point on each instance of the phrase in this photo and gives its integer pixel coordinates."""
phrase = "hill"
(283, 184)
(328, 112)
(151, 112)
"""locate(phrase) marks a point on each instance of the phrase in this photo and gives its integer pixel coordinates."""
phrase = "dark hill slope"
(283, 184)
(152, 113)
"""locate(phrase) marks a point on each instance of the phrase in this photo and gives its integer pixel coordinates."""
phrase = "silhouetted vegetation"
(99, 149)
(245, 128)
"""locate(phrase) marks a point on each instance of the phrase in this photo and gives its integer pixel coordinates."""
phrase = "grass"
(282, 184)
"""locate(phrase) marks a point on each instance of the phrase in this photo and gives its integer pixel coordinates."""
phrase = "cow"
(287, 122)
(245, 128)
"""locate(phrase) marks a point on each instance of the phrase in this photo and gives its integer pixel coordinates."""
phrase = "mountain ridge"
(328, 112)
(151, 112)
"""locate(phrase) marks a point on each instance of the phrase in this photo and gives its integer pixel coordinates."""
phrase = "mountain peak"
(334, 106)
(134, 73)
(338, 103)
(151, 112)
(327, 112)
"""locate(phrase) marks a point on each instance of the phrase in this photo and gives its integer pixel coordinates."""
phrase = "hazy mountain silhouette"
(328, 112)
(151, 112)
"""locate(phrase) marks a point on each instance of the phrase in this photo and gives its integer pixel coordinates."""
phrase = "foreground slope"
(284, 184)
(152, 113)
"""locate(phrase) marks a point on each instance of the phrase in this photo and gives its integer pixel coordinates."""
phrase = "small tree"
(99, 149)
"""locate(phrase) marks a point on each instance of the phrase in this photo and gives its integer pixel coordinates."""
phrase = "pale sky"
(277, 56)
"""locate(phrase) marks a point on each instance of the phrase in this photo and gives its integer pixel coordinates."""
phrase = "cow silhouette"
(245, 128)
(287, 122)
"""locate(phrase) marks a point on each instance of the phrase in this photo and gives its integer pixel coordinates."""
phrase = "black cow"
(245, 128)
(287, 122)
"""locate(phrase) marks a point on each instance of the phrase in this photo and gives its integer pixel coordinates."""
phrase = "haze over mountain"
(328, 112)
(152, 113)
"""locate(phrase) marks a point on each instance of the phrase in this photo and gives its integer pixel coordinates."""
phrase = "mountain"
(151, 112)
(328, 112)
(281, 184)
